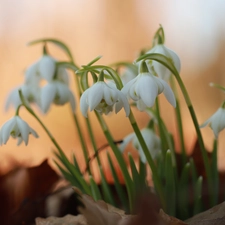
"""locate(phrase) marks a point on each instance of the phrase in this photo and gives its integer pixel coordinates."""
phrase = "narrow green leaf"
(58, 43)
(120, 191)
(215, 174)
(76, 164)
(107, 193)
(183, 192)
(198, 196)
(142, 172)
(170, 185)
(135, 174)
(95, 189)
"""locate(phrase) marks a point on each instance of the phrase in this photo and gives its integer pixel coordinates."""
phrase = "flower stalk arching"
(167, 63)
(179, 121)
(83, 183)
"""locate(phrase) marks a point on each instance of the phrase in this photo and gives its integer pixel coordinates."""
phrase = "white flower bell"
(102, 98)
(57, 93)
(216, 121)
(159, 68)
(151, 139)
(145, 88)
(16, 128)
(44, 68)
(30, 94)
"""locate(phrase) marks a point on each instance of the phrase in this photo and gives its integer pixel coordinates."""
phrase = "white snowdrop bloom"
(62, 75)
(160, 69)
(30, 94)
(44, 68)
(151, 139)
(216, 121)
(128, 75)
(145, 88)
(103, 97)
(57, 93)
(18, 129)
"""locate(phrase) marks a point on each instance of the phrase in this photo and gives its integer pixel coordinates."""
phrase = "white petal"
(148, 90)
(13, 98)
(83, 103)
(108, 95)
(23, 128)
(95, 95)
(127, 86)
(47, 96)
(125, 103)
(6, 129)
(169, 94)
(47, 66)
(125, 142)
(141, 105)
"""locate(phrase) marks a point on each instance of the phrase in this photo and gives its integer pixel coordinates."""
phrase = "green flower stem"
(179, 122)
(164, 140)
(82, 181)
(82, 141)
(199, 135)
(157, 183)
(119, 158)
(215, 173)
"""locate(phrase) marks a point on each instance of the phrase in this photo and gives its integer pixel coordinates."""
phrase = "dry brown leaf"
(23, 192)
(213, 216)
(100, 213)
(66, 220)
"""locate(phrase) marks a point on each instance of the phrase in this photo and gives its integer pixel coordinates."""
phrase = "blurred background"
(117, 30)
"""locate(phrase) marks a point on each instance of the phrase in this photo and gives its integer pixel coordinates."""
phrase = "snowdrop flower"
(151, 139)
(145, 88)
(160, 69)
(216, 121)
(128, 75)
(102, 97)
(57, 93)
(30, 93)
(44, 68)
(18, 129)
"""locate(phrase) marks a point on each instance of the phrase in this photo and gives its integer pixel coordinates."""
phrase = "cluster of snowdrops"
(137, 84)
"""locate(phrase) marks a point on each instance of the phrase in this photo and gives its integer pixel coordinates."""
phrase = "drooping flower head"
(18, 129)
(58, 93)
(151, 139)
(216, 121)
(159, 68)
(103, 97)
(145, 88)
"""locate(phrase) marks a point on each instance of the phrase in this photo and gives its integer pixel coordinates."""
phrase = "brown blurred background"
(117, 30)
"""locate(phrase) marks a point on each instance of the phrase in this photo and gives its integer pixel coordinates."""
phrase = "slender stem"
(119, 158)
(199, 135)
(157, 183)
(179, 121)
(82, 141)
(215, 172)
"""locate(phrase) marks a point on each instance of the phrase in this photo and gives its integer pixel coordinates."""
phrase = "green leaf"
(108, 197)
(58, 43)
(120, 191)
(170, 187)
(198, 196)
(95, 190)
(183, 192)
